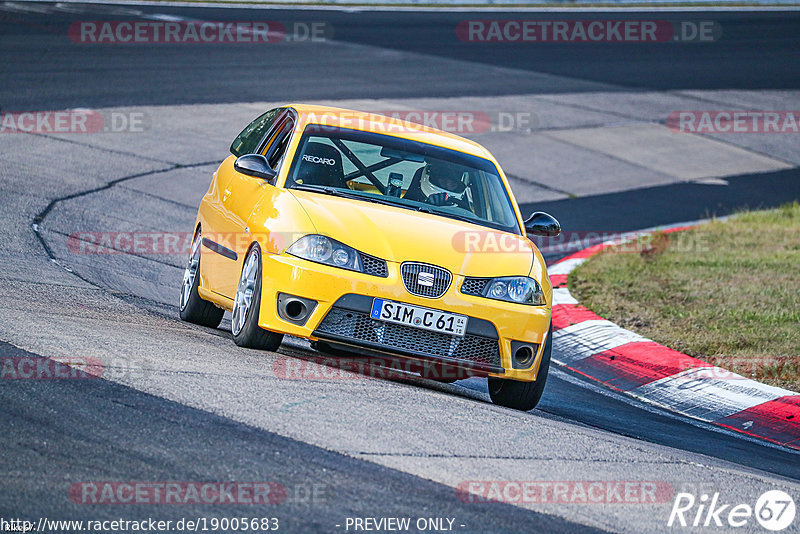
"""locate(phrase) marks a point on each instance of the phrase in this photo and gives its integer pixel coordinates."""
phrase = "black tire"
(251, 335)
(523, 395)
(194, 309)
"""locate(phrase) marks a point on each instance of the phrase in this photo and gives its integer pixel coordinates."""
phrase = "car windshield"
(403, 173)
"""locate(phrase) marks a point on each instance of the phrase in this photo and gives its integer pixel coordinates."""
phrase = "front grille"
(435, 279)
(372, 265)
(361, 327)
(474, 286)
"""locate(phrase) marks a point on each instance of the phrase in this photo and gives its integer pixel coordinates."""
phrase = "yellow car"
(369, 234)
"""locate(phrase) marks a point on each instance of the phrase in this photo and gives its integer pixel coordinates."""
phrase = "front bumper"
(349, 322)
(345, 299)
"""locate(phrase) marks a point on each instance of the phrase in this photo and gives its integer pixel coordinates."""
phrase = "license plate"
(418, 317)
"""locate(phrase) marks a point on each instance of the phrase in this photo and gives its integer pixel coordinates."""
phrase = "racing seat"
(321, 164)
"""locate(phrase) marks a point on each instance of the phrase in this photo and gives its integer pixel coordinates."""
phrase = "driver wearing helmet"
(441, 184)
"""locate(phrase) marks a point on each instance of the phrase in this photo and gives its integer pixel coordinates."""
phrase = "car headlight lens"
(341, 257)
(498, 290)
(519, 289)
(325, 250)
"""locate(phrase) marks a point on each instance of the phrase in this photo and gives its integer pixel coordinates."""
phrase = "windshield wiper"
(316, 189)
(426, 209)
(345, 194)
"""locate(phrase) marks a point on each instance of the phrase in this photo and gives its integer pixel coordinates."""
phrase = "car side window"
(276, 155)
(278, 140)
(248, 141)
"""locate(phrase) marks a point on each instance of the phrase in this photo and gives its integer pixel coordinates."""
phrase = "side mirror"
(542, 224)
(255, 165)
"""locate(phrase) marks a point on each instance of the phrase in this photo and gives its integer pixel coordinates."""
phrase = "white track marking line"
(650, 407)
(17, 7)
(587, 338)
(565, 267)
(561, 295)
(708, 393)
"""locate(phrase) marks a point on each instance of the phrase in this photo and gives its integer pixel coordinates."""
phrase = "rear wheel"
(523, 395)
(193, 308)
(246, 306)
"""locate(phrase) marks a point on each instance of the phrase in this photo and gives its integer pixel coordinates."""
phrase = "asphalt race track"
(177, 402)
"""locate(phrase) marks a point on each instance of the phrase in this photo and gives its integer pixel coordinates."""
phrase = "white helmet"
(442, 177)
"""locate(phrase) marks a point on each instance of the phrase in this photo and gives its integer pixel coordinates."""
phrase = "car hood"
(398, 235)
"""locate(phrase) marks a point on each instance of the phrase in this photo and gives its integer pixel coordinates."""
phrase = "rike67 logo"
(774, 510)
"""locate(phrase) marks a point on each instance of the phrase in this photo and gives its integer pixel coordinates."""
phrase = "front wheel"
(193, 308)
(523, 395)
(246, 306)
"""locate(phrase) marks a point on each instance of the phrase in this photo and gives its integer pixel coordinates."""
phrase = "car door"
(217, 244)
(239, 197)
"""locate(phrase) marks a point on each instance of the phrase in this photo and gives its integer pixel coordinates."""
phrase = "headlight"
(325, 250)
(519, 289)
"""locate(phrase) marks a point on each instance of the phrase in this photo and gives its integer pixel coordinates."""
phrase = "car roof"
(377, 123)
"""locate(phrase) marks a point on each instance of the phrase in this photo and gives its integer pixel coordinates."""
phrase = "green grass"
(727, 292)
